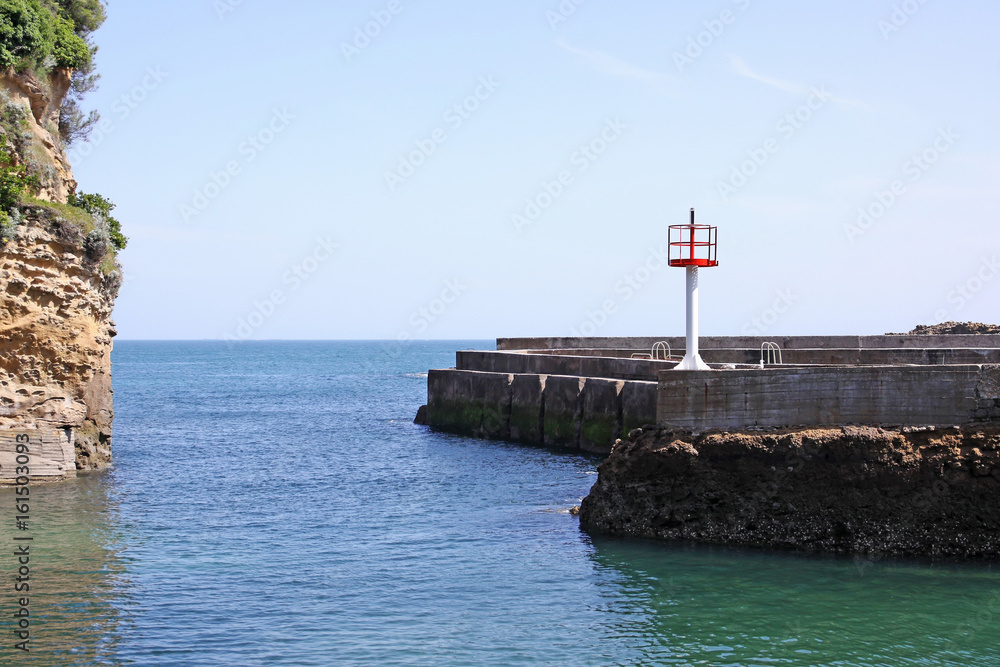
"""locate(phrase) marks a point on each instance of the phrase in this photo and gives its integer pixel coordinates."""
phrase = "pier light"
(692, 247)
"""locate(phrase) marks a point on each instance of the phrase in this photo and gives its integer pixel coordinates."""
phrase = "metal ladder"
(654, 354)
(770, 353)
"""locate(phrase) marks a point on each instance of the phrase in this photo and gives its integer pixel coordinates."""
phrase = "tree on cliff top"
(36, 38)
(38, 35)
(87, 15)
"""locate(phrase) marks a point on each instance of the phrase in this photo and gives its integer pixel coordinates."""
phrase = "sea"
(272, 503)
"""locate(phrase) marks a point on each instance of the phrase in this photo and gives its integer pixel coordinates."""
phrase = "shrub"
(68, 48)
(7, 229)
(14, 178)
(87, 15)
(101, 208)
(14, 119)
(23, 33)
(96, 244)
(38, 34)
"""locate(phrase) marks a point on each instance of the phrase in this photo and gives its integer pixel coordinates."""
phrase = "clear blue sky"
(780, 126)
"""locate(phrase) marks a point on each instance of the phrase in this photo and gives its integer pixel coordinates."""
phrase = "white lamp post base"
(692, 363)
(692, 359)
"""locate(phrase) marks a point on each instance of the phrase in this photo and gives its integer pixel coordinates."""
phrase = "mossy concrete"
(555, 410)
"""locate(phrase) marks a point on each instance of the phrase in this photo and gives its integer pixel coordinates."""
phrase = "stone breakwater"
(853, 490)
(572, 412)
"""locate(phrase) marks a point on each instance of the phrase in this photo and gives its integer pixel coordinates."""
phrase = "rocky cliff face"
(58, 289)
(32, 113)
(857, 490)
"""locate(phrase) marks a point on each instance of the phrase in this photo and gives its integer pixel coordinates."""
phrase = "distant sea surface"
(273, 504)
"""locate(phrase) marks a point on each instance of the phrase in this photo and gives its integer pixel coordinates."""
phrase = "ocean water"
(273, 504)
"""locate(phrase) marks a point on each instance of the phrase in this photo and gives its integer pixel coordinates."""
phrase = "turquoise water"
(272, 503)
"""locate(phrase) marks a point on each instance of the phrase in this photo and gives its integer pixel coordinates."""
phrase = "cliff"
(31, 122)
(853, 490)
(59, 279)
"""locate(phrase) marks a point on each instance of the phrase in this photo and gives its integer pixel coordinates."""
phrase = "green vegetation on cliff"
(14, 180)
(100, 209)
(40, 34)
(45, 45)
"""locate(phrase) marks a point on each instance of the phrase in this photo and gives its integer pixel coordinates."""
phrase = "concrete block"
(469, 402)
(563, 410)
(492, 362)
(981, 341)
(601, 420)
(492, 391)
(638, 405)
(912, 395)
(526, 409)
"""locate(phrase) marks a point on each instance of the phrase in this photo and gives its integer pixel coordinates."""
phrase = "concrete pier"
(573, 412)
(585, 393)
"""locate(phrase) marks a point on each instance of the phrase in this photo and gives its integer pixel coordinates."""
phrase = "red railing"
(693, 245)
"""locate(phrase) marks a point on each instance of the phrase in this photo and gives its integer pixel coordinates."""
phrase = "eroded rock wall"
(57, 290)
(55, 343)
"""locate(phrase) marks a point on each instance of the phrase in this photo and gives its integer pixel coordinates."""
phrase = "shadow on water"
(80, 589)
(719, 606)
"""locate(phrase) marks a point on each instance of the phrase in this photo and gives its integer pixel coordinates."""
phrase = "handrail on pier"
(770, 353)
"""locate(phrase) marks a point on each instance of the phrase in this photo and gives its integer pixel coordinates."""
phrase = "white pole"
(692, 359)
(692, 312)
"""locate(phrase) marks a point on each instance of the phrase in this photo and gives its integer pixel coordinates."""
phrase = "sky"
(438, 169)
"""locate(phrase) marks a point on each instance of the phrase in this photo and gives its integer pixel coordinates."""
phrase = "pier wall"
(618, 364)
(754, 342)
(575, 412)
(829, 396)
(584, 393)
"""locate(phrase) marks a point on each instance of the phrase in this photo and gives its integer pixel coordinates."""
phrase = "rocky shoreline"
(879, 492)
